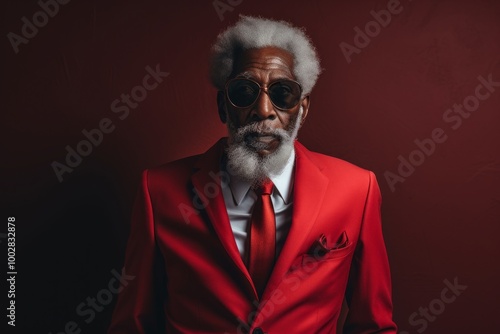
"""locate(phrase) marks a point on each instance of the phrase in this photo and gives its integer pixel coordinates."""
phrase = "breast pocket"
(323, 250)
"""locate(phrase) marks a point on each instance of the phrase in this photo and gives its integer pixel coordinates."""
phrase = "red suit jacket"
(190, 278)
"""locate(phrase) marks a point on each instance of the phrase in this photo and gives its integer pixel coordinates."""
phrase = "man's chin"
(255, 161)
(264, 145)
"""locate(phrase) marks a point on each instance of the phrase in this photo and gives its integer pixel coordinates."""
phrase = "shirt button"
(258, 330)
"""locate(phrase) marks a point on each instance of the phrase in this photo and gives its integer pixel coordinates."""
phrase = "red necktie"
(262, 237)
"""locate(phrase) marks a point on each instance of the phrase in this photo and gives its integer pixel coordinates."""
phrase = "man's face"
(264, 66)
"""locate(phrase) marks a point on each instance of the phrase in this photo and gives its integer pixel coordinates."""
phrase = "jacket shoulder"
(340, 165)
(332, 164)
(341, 173)
(171, 175)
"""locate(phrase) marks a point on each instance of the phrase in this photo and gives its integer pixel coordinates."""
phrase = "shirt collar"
(282, 182)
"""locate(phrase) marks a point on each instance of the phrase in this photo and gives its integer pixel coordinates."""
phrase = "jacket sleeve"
(139, 306)
(368, 294)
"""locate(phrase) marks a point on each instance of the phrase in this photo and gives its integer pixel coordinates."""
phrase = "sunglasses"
(284, 94)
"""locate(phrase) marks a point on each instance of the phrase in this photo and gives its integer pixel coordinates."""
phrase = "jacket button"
(258, 330)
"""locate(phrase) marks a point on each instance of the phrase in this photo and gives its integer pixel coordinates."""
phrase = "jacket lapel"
(207, 173)
(309, 190)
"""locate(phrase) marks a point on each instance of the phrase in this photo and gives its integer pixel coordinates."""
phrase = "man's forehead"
(274, 59)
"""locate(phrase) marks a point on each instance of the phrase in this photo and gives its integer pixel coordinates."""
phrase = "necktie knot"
(266, 188)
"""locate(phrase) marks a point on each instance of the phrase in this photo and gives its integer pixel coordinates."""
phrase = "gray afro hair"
(256, 32)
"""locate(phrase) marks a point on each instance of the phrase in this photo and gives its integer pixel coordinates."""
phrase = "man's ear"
(306, 101)
(221, 106)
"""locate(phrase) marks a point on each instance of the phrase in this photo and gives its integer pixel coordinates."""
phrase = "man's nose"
(263, 108)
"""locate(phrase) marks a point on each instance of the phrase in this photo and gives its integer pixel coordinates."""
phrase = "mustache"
(253, 130)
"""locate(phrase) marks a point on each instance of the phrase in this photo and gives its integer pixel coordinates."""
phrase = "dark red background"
(441, 223)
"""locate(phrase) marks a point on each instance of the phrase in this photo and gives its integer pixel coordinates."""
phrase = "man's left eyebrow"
(248, 75)
(245, 75)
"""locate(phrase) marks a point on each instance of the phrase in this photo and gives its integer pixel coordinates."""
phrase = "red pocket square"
(321, 246)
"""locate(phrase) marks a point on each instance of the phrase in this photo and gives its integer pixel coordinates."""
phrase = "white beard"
(244, 162)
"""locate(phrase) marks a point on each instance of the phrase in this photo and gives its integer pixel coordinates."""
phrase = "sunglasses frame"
(262, 88)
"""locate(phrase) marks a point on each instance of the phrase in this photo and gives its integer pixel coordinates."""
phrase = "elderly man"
(258, 234)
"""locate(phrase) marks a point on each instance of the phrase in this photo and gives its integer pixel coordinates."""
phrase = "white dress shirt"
(240, 199)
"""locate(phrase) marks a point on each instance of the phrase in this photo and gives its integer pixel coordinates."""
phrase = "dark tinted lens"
(285, 94)
(242, 93)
